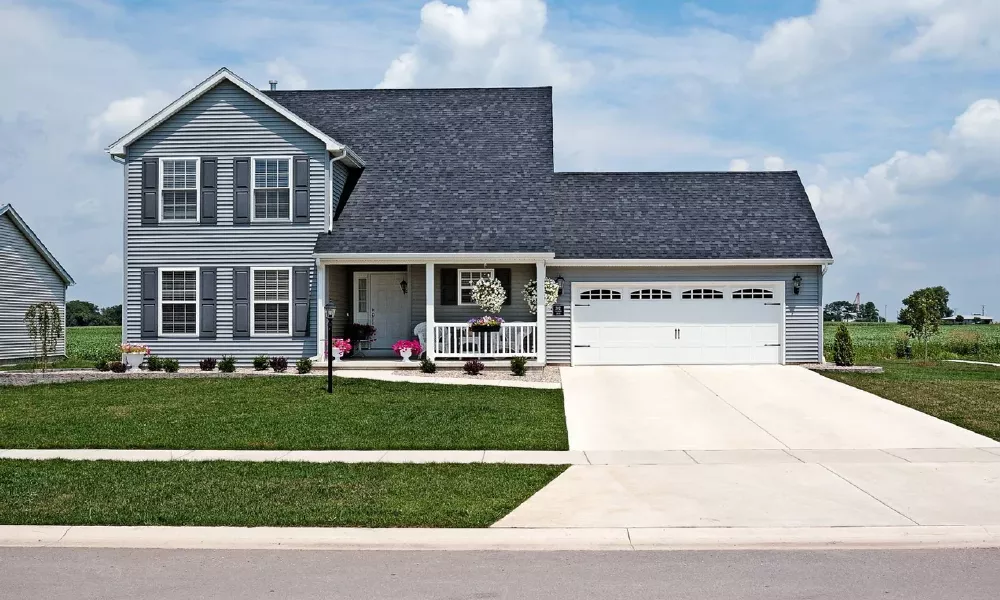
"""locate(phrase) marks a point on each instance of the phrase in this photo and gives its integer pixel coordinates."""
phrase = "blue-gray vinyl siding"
(26, 278)
(803, 311)
(225, 122)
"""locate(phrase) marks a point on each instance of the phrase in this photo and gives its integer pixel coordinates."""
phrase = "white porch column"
(321, 297)
(540, 311)
(429, 290)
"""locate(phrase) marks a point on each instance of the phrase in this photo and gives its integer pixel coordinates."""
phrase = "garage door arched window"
(600, 294)
(702, 294)
(650, 294)
(752, 294)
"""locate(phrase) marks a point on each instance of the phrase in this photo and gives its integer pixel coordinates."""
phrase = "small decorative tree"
(530, 294)
(44, 323)
(843, 347)
(489, 295)
(923, 313)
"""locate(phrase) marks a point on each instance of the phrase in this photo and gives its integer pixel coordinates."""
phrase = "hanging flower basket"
(487, 324)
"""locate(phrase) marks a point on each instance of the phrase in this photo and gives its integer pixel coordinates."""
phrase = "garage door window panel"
(651, 294)
(600, 294)
(702, 294)
(753, 294)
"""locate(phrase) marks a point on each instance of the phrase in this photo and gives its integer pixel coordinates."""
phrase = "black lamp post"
(331, 310)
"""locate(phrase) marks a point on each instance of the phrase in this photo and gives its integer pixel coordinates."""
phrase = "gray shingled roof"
(685, 216)
(447, 170)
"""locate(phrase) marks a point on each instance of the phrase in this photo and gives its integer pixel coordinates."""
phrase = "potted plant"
(489, 295)
(407, 348)
(134, 354)
(530, 294)
(487, 324)
(357, 332)
(341, 348)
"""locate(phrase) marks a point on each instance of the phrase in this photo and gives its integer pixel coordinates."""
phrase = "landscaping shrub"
(428, 366)
(170, 365)
(473, 366)
(103, 365)
(118, 367)
(303, 366)
(154, 363)
(843, 348)
(518, 366)
(901, 345)
(227, 364)
(261, 362)
(207, 364)
(279, 364)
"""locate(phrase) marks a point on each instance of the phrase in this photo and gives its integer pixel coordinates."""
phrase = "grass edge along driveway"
(963, 394)
(280, 413)
(248, 494)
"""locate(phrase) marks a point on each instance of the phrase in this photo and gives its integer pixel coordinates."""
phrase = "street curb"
(603, 539)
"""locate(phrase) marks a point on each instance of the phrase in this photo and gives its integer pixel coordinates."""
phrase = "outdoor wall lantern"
(403, 286)
(796, 283)
(331, 311)
(560, 280)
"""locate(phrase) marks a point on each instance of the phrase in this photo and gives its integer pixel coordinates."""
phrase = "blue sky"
(888, 109)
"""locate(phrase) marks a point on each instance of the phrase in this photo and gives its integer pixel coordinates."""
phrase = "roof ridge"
(784, 172)
(428, 89)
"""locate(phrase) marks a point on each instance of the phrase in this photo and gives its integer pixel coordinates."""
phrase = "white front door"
(379, 301)
(677, 323)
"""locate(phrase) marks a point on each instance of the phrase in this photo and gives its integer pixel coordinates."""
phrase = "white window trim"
(253, 302)
(197, 189)
(197, 301)
(492, 273)
(253, 188)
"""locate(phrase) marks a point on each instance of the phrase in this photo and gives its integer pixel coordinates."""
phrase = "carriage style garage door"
(678, 323)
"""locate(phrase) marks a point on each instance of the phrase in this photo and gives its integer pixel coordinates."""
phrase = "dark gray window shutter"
(209, 190)
(241, 302)
(301, 191)
(150, 190)
(300, 301)
(149, 292)
(241, 191)
(449, 287)
(504, 276)
(209, 294)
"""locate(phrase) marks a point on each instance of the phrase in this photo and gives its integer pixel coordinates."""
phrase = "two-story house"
(247, 211)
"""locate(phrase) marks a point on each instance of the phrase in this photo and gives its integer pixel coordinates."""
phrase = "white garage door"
(677, 323)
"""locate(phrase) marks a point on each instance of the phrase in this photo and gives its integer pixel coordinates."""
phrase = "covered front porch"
(429, 298)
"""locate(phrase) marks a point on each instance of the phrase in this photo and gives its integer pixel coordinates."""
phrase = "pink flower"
(412, 345)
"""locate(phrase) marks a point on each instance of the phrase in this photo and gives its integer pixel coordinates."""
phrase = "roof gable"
(8, 211)
(118, 147)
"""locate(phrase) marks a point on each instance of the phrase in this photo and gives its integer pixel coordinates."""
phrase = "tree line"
(934, 297)
(80, 313)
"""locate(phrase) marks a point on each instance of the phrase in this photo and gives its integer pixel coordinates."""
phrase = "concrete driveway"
(740, 408)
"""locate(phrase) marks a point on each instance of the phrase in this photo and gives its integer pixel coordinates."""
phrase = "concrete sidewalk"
(319, 538)
(538, 457)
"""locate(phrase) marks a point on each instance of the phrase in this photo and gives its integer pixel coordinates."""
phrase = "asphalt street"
(58, 574)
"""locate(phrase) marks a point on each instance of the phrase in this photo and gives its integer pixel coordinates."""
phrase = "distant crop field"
(876, 342)
(93, 343)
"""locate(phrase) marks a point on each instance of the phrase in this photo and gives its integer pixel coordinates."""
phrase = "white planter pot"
(133, 360)
(337, 354)
(406, 354)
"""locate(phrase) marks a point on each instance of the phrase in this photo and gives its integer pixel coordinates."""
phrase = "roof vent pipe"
(274, 84)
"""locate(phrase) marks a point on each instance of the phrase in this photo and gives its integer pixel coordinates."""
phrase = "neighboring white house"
(28, 274)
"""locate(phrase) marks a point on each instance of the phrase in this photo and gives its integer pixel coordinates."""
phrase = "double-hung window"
(467, 279)
(272, 189)
(178, 301)
(179, 189)
(272, 301)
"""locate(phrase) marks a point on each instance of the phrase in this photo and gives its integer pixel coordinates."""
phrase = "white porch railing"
(454, 340)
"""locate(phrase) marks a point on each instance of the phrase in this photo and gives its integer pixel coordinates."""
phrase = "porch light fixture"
(403, 285)
(560, 280)
(331, 311)
(796, 283)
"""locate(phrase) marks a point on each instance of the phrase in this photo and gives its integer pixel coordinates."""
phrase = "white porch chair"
(421, 332)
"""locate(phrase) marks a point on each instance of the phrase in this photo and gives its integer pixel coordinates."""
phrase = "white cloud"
(289, 76)
(774, 163)
(492, 42)
(122, 115)
(739, 164)
(112, 265)
(904, 30)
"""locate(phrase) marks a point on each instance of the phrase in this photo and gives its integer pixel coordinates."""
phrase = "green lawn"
(290, 413)
(966, 395)
(263, 494)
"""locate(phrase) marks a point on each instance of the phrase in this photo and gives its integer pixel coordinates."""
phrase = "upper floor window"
(179, 189)
(752, 293)
(702, 294)
(467, 279)
(600, 294)
(272, 301)
(272, 189)
(178, 301)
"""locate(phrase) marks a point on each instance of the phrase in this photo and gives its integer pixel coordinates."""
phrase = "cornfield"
(876, 342)
(93, 343)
